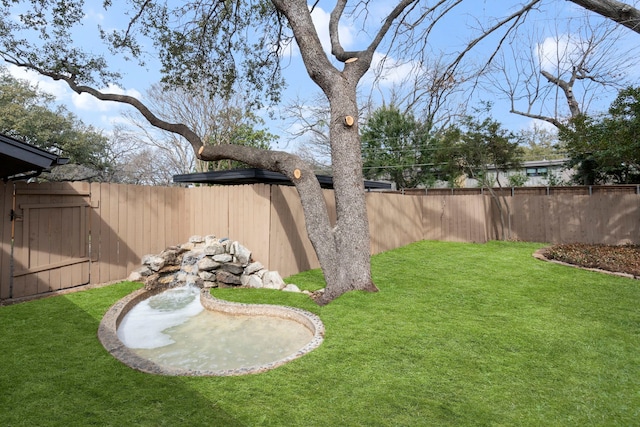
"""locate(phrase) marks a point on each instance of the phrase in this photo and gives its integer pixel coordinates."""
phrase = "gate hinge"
(13, 215)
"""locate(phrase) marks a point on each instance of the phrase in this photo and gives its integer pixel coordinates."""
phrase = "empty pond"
(173, 329)
(185, 331)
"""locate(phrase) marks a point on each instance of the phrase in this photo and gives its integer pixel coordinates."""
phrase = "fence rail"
(126, 222)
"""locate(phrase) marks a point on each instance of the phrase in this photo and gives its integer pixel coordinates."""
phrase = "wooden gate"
(51, 248)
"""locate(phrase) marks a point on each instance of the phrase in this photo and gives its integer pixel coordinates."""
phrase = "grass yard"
(459, 334)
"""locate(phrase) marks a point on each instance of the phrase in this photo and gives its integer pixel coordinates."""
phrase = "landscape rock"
(189, 268)
(254, 267)
(196, 239)
(192, 257)
(233, 268)
(223, 258)
(272, 280)
(143, 271)
(214, 249)
(155, 263)
(169, 269)
(187, 246)
(242, 254)
(207, 262)
(291, 288)
(135, 276)
(227, 278)
(251, 281)
(207, 276)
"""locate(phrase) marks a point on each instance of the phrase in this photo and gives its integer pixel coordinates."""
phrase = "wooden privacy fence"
(60, 235)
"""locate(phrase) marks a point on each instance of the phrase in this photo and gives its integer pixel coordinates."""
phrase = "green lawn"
(459, 334)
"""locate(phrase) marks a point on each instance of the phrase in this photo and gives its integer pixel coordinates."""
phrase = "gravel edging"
(539, 254)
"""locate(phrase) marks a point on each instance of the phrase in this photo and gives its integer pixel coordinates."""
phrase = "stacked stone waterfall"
(207, 262)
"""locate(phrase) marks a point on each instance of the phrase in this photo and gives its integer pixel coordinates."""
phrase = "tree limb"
(315, 60)
(567, 88)
(551, 120)
(622, 13)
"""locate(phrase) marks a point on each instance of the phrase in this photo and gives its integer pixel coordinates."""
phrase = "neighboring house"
(534, 173)
(261, 176)
(19, 160)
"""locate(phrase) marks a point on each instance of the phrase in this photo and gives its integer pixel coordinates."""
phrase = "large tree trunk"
(344, 250)
(351, 269)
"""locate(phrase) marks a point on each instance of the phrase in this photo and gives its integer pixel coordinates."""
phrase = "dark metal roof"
(259, 176)
(20, 160)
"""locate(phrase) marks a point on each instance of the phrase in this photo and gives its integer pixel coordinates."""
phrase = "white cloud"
(56, 88)
(558, 53)
(103, 114)
(533, 124)
(321, 23)
(64, 94)
(389, 71)
(94, 16)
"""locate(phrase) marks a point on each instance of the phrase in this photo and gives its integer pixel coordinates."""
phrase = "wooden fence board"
(6, 204)
(394, 220)
(290, 249)
(260, 220)
(114, 224)
(94, 227)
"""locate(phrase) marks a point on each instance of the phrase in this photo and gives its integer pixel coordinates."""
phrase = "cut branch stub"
(297, 173)
(349, 121)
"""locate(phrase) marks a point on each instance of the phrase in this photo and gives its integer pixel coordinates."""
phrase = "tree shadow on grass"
(54, 371)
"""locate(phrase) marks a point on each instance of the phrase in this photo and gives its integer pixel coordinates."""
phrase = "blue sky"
(451, 35)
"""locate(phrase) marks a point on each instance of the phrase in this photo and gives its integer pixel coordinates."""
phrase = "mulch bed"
(622, 259)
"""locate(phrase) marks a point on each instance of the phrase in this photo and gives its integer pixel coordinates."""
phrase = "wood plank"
(132, 237)
(111, 256)
(108, 231)
(123, 229)
(290, 248)
(260, 220)
(156, 223)
(58, 238)
(148, 244)
(6, 205)
(23, 287)
(50, 266)
(180, 216)
(94, 233)
(135, 238)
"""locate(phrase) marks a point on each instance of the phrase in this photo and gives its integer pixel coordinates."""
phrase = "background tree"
(28, 114)
(473, 148)
(214, 119)
(397, 147)
(558, 77)
(606, 149)
(540, 143)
